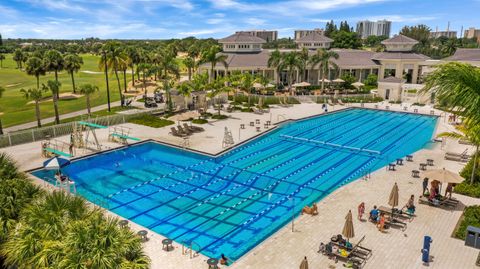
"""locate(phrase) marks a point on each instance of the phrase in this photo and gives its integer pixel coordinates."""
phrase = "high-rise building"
(368, 28)
(449, 34)
(472, 33)
(301, 33)
(263, 34)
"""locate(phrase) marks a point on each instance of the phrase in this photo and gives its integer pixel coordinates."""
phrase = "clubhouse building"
(400, 71)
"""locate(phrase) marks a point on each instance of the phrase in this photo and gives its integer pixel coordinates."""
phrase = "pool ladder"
(186, 250)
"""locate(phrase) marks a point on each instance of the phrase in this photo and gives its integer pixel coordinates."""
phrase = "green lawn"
(152, 121)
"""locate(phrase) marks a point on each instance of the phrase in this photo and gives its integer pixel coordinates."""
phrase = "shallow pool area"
(232, 202)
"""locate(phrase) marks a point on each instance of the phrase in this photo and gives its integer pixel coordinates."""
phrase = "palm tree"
(34, 67)
(275, 61)
(189, 62)
(456, 86)
(469, 132)
(213, 56)
(116, 58)
(18, 57)
(35, 95)
(73, 63)
(53, 61)
(146, 70)
(54, 87)
(324, 60)
(88, 90)
(303, 62)
(2, 90)
(2, 57)
(218, 87)
(134, 59)
(103, 64)
(290, 61)
(185, 89)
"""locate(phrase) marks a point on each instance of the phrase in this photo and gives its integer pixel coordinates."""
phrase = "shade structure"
(443, 176)
(55, 163)
(325, 80)
(348, 231)
(338, 80)
(358, 84)
(393, 199)
(301, 84)
(304, 264)
(257, 85)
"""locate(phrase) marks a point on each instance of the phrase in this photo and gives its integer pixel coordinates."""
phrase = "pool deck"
(286, 249)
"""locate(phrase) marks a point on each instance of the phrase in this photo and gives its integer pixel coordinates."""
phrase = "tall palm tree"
(133, 59)
(103, 64)
(116, 58)
(457, 87)
(2, 57)
(189, 62)
(34, 67)
(324, 60)
(213, 56)
(53, 61)
(18, 57)
(88, 90)
(291, 62)
(218, 86)
(145, 69)
(35, 95)
(54, 87)
(73, 63)
(303, 63)
(275, 61)
(469, 132)
(2, 90)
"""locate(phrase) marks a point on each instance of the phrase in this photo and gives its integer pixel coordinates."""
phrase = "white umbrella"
(55, 163)
(301, 84)
(257, 85)
(358, 84)
(338, 80)
(325, 80)
(443, 176)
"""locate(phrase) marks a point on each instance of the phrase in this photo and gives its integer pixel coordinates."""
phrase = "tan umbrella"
(338, 80)
(393, 199)
(348, 231)
(301, 84)
(358, 84)
(325, 80)
(257, 85)
(304, 264)
(443, 176)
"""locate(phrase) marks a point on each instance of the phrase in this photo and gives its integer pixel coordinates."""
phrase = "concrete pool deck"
(286, 249)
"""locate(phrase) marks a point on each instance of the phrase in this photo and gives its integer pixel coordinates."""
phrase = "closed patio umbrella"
(393, 199)
(348, 231)
(304, 264)
(443, 176)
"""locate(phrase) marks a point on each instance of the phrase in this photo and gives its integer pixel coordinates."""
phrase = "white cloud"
(214, 21)
(64, 5)
(320, 20)
(255, 21)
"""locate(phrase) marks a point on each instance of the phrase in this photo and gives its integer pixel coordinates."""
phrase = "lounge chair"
(341, 102)
(457, 157)
(396, 213)
(356, 255)
(184, 131)
(329, 101)
(174, 132)
(193, 128)
(257, 111)
(446, 203)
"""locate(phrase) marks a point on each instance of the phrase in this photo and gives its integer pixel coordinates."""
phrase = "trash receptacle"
(472, 239)
(427, 240)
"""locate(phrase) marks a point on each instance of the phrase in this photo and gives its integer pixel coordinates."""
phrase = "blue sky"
(158, 19)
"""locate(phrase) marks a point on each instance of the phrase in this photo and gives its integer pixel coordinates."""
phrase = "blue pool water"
(230, 203)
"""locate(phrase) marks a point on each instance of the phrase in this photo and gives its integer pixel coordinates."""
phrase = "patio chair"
(184, 131)
(174, 132)
(447, 203)
(193, 128)
(397, 213)
(257, 111)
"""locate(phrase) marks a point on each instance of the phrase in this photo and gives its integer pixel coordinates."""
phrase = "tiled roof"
(314, 37)
(465, 55)
(242, 37)
(354, 58)
(399, 56)
(399, 39)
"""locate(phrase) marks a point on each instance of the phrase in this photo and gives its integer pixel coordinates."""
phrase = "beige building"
(301, 33)
(314, 41)
(263, 34)
(473, 33)
(449, 34)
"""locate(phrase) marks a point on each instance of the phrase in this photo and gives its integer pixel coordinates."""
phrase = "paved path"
(33, 124)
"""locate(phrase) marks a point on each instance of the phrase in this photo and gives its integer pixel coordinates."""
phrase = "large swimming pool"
(230, 203)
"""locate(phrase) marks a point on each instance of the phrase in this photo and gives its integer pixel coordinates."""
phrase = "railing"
(37, 134)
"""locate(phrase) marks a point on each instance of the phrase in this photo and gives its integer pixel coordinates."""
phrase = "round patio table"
(409, 158)
(415, 173)
(143, 235)
(212, 263)
(391, 167)
(400, 161)
(430, 162)
(166, 244)
(423, 166)
(242, 126)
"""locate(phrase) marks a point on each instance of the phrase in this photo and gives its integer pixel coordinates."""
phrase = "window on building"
(389, 72)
